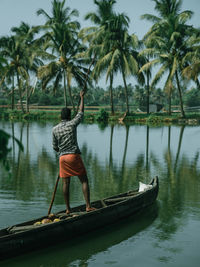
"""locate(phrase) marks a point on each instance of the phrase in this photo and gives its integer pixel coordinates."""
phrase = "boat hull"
(14, 241)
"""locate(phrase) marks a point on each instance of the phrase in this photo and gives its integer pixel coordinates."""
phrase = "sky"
(12, 12)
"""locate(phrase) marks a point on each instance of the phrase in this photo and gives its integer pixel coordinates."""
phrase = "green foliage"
(15, 114)
(192, 98)
(102, 116)
(154, 119)
(3, 101)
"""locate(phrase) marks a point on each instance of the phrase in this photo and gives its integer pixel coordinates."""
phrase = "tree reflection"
(179, 174)
(111, 148)
(179, 147)
(5, 149)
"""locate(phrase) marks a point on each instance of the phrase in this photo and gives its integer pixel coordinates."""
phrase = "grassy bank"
(104, 116)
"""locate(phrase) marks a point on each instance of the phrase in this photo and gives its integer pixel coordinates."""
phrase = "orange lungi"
(71, 165)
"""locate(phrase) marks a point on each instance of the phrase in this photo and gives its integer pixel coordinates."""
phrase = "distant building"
(152, 108)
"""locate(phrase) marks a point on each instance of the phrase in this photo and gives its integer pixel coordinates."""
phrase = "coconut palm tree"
(192, 60)
(15, 53)
(5, 68)
(26, 36)
(166, 41)
(116, 51)
(95, 36)
(122, 50)
(61, 38)
(145, 76)
(20, 52)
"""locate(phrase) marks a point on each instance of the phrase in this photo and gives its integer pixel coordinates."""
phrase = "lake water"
(117, 158)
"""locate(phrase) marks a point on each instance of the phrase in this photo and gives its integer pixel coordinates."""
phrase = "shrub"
(192, 98)
(102, 115)
(154, 119)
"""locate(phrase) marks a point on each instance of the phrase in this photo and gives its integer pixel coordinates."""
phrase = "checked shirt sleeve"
(55, 143)
(77, 119)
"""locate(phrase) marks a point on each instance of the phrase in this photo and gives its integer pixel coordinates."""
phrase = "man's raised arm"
(81, 107)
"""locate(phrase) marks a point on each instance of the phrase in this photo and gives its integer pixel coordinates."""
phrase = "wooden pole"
(54, 193)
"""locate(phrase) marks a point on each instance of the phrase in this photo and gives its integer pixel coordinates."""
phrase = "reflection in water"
(111, 152)
(181, 177)
(147, 150)
(117, 158)
(27, 172)
(5, 149)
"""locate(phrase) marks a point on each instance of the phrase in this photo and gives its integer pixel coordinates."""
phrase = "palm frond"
(159, 74)
(149, 65)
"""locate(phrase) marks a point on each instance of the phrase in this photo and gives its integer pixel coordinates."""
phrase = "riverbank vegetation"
(48, 64)
(102, 116)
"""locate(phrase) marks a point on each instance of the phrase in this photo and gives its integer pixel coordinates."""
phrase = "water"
(117, 158)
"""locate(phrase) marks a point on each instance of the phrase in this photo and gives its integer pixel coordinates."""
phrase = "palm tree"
(120, 54)
(6, 69)
(14, 51)
(25, 34)
(146, 74)
(3, 67)
(192, 60)
(116, 51)
(95, 36)
(20, 52)
(61, 38)
(167, 42)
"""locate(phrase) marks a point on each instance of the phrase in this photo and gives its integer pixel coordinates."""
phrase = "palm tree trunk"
(180, 95)
(13, 93)
(111, 94)
(70, 94)
(169, 103)
(20, 93)
(65, 90)
(126, 92)
(27, 97)
(148, 92)
(197, 83)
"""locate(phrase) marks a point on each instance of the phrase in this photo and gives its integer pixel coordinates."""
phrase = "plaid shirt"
(65, 136)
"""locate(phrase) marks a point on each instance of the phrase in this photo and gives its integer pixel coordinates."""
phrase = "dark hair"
(65, 114)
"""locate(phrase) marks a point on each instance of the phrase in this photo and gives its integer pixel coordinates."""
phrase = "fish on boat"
(53, 228)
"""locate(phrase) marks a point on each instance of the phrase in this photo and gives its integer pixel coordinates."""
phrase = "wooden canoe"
(27, 236)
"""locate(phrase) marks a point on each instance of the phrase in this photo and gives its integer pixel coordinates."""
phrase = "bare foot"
(68, 211)
(90, 209)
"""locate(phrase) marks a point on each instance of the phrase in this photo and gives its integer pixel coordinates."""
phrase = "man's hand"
(82, 93)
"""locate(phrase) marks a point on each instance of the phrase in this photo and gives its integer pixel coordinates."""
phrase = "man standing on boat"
(70, 162)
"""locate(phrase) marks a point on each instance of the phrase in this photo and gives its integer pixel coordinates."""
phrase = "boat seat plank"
(103, 203)
(117, 199)
(17, 229)
(111, 200)
(63, 215)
